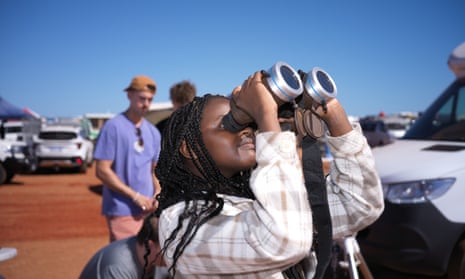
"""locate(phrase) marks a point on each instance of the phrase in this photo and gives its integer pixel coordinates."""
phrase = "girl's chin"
(251, 163)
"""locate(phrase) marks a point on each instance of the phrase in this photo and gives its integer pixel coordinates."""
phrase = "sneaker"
(7, 253)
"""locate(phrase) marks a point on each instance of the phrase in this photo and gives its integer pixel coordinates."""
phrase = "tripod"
(353, 259)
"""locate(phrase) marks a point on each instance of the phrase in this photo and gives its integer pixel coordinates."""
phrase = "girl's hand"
(335, 118)
(254, 98)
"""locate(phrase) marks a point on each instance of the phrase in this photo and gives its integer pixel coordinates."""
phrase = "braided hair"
(148, 232)
(179, 184)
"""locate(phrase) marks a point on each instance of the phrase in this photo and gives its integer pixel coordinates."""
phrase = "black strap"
(318, 198)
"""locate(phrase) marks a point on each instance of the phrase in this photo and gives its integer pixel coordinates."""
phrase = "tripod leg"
(353, 259)
(353, 267)
(361, 261)
(364, 267)
(350, 252)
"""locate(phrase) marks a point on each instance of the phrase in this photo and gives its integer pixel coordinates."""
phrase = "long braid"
(148, 232)
(147, 226)
(179, 184)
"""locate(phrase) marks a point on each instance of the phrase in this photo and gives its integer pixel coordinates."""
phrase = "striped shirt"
(261, 238)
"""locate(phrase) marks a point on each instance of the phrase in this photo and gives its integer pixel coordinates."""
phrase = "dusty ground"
(54, 221)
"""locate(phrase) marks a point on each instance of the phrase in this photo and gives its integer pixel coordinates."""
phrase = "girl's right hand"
(254, 98)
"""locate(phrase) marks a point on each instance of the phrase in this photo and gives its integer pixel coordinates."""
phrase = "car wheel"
(3, 175)
(457, 261)
(9, 177)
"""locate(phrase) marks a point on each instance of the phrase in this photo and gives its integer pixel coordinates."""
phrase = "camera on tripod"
(305, 90)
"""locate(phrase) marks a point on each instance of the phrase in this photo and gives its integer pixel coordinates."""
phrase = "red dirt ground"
(54, 221)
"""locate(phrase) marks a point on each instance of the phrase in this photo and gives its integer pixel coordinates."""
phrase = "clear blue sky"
(67, 58)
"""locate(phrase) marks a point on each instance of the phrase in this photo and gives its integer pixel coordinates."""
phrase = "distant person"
(126, 154)
(181, 93)
(136, 257)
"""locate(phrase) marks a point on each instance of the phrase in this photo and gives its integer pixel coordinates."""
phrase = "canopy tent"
(9, 111)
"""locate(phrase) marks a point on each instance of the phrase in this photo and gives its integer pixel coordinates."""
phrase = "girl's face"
(232, 152)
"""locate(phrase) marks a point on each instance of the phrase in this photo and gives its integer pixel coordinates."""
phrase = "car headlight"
(417, 191)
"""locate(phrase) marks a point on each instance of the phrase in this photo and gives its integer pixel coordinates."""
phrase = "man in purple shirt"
(126, 154)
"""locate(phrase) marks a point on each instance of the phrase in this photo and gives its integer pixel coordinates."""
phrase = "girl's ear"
(184, 149)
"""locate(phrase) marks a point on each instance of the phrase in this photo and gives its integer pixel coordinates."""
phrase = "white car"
(63, 146)
(14, 130)
(398, 125)
(422, 229)
(376, 132)
(13, 159)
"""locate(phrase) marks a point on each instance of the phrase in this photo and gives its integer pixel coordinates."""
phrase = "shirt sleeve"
(355, 194)
(156, 141)
(105, 148)
(281, 198)
(260, 237)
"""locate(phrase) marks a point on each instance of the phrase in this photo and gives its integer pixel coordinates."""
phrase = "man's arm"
(156, 186)
(111, 180)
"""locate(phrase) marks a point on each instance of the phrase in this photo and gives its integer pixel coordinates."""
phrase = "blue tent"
(9, 111)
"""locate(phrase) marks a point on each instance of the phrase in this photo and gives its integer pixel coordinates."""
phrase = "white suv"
(63, 146)
(422, 229)
(12, 159)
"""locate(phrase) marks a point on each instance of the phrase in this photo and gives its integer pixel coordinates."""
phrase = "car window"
(57, 135)
(444, 116)
(13, 129)
(461, 105)
(382, 126)
(453, 126)
(396, 126)
(444, 119)
(368, 126)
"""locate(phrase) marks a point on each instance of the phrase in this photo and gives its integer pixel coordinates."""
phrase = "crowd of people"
(187, 198)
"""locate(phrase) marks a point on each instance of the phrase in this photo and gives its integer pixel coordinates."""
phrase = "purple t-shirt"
(119, 142)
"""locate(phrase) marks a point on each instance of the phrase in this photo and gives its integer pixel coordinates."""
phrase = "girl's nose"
(248, 131)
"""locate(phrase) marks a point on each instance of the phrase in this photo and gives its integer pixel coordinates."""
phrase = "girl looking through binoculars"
(234, 204)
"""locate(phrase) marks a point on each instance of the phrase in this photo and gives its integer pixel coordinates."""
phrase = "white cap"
(456, 61)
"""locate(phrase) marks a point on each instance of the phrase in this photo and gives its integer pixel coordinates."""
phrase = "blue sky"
(66, 58)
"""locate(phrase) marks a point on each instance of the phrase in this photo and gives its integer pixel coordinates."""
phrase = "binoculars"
(305, 90)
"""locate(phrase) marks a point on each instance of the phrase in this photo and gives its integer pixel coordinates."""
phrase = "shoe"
(7, 253)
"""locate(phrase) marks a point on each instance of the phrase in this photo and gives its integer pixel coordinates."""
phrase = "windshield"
(368, 126)
(14, 129)
(445, 119)
(397, 126)
(372, 125)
